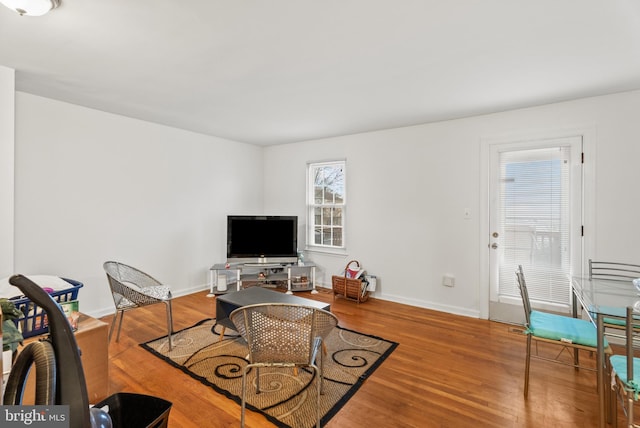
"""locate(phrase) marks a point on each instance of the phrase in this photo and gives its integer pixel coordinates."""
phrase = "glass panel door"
(535, 216)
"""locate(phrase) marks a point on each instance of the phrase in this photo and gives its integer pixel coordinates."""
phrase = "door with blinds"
(535, 217)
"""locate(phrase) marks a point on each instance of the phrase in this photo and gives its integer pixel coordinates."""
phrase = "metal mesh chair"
(283, 335)
(131, 288)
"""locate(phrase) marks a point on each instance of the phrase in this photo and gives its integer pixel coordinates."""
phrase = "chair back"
(126, 274)
(126, 283)
(524, 293)
(613, 270)
(632, 329)
(281, 332)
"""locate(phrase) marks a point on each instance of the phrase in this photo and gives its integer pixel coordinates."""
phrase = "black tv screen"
(260, 237)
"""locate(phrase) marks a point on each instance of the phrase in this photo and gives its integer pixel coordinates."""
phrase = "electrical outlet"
(448, 281)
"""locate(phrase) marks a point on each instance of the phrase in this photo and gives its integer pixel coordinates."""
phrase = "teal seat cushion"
(563, 328)
(619, 366)
(614, 311)
(614, 321)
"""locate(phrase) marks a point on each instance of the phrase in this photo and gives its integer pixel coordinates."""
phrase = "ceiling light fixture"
(31, 7)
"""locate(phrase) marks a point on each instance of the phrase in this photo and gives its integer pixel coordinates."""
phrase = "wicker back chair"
(131, 288)
(283, 335)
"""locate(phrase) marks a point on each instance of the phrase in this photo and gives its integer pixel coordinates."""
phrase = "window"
(326, 203)
(535, 221)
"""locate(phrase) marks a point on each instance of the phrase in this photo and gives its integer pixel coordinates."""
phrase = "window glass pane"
(318, 176)
(337, 236)
(317, 236)
(534, 219)
(337, 216)
(317, 215)
(318, 194)
(328, 196)
(326, 236)
(335, 181)
(331, 177)
(326, 216)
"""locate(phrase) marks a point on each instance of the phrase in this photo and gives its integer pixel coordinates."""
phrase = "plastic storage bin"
(129, 410)
(34, 321)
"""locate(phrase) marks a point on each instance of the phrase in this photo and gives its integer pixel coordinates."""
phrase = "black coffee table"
(227, 303)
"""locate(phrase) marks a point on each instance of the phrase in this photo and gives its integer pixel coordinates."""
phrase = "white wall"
(93, 186)
(7, 111)
(408, 188)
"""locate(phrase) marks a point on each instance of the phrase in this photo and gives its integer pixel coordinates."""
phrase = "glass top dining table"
(604, 296)
(600, 298)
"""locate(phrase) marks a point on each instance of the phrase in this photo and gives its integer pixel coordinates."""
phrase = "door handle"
(494, 245)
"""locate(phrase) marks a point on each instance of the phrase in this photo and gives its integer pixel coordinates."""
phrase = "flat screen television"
(262, 239)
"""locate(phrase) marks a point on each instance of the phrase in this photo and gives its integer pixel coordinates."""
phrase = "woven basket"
(349, 288)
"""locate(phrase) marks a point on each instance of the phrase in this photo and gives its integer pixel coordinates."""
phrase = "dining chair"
(570, 334)
(614, 271)
(625, 370)
(131, 288)
(283, 335)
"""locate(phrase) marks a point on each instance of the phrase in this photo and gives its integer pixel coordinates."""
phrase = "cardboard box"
(92, 339)
(72, 312)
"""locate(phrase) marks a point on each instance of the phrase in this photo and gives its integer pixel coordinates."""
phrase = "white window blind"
(534, 206)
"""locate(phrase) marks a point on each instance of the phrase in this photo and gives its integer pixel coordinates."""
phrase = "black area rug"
(289, 399)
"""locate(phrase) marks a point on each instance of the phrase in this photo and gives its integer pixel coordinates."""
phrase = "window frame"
(312, 205)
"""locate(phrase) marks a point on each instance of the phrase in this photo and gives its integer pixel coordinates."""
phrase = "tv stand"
(227, 277)
(265, 265)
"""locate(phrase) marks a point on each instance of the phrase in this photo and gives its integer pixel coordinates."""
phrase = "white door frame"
(588, 135)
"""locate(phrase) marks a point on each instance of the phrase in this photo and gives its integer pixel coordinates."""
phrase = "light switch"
(448, 281)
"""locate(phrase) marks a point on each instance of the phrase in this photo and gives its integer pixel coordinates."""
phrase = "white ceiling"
(280, 71)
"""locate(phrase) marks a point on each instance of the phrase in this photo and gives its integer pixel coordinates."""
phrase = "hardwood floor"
(448, 371)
